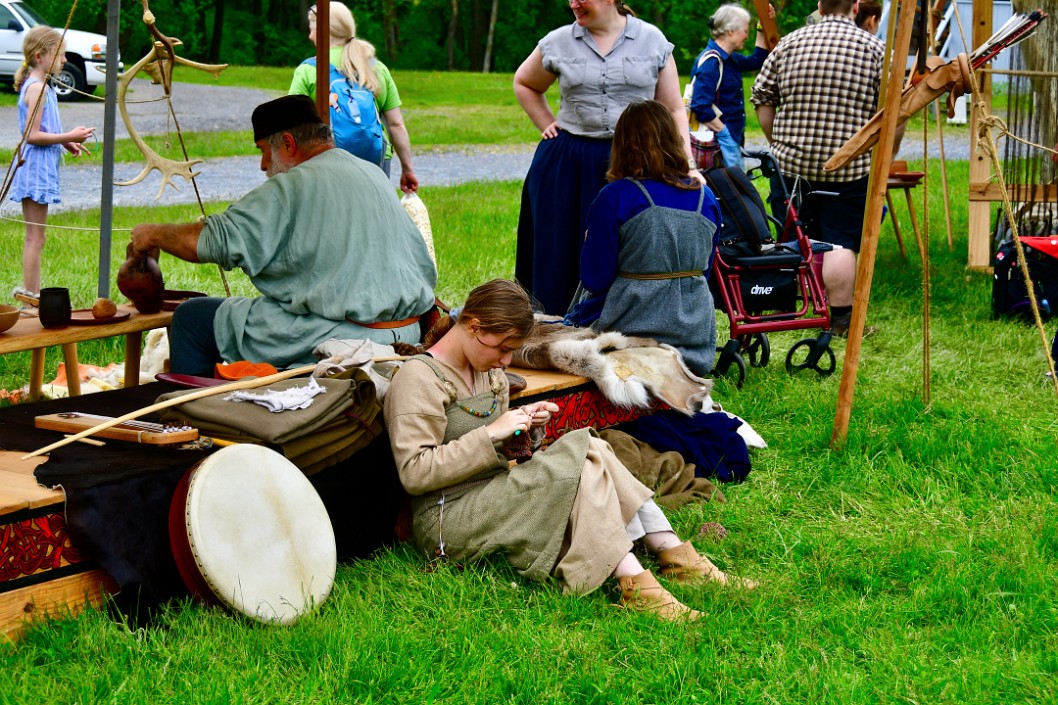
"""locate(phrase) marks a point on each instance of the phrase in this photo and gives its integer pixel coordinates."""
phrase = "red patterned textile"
(35, 545)
(589, 408)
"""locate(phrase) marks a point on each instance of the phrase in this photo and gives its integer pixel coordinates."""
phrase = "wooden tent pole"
(943, 173)
(323, 60)
(979, 214)
(872, 222)
(771, 29)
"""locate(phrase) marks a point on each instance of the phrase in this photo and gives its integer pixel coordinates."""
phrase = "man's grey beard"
(278, 165)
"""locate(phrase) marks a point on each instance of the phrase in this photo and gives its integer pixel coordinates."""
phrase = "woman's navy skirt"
(566, 175)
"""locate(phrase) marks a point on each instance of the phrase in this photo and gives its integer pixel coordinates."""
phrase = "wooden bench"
(41, 572)
(29, 335)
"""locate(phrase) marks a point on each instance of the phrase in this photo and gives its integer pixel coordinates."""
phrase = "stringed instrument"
(132, 431)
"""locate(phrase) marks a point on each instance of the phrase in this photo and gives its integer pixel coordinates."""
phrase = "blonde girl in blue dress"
(36, 182)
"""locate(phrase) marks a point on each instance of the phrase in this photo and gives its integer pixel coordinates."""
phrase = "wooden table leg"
(73, 372)
(36, 373)
(914, 219)
(133, 348)
(896, 225)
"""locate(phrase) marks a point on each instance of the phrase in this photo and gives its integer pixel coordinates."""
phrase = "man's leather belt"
(387, 324)
(660, 275)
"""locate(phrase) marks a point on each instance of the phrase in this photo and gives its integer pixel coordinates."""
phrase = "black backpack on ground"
(743, 216)
(1009, 295)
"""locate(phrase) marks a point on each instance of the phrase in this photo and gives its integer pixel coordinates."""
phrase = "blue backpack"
(355, 120)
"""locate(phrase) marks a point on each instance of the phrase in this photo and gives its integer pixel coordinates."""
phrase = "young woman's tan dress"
(562, 513)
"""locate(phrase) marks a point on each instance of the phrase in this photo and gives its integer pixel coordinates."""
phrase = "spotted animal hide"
(629, 371)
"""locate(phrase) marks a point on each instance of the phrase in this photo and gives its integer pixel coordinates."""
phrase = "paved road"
(206, 108)
(209, 108)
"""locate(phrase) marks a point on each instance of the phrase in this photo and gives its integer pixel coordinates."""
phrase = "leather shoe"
(839, 327)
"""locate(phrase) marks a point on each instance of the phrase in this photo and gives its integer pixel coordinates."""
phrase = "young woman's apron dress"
(562, 513)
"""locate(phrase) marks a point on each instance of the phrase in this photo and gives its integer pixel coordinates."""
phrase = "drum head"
(258, 534)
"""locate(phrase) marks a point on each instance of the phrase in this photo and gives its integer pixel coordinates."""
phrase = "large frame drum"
(249, 531)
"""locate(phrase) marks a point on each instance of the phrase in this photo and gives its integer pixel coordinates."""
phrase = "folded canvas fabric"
(228, 419)
(673, 480)
(337, 356)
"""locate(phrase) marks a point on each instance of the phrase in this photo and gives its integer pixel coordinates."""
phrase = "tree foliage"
(410, 34)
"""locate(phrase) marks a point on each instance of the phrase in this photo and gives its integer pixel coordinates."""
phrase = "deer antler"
(159, 63)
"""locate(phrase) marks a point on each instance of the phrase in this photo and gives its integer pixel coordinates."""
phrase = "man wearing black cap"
(324, 240)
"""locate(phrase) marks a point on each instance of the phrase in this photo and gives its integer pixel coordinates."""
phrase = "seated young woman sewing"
(571, 512)
(650, 242)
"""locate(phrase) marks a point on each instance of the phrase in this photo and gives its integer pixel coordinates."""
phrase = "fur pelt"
(629, 371)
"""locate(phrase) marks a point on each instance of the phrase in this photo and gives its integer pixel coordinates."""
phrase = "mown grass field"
(914, 564)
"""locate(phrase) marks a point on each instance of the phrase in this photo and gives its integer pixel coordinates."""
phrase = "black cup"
(55, 307)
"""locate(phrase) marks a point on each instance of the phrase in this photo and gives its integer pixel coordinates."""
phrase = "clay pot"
(140, 279)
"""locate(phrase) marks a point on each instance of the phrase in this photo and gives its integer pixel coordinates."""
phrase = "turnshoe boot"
(643, 593)
(684, 564)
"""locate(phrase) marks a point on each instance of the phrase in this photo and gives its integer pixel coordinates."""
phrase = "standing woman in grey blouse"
(605, 60)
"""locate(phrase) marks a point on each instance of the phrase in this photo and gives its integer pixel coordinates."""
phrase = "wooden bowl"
(910, 176)
(8, 316)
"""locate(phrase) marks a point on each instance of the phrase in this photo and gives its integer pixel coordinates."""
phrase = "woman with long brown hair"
(570, 513)
(650, 242)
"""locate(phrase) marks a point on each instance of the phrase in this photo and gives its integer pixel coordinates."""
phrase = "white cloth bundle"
(276, 401)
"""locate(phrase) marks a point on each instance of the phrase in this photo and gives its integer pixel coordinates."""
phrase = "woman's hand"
(76, 149)
(540, 412)
(716, 124)
(551, 131)
(504, 427)
(697, 174)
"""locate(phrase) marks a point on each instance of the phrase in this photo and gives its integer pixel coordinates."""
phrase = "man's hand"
(141, 239)
(180, 240)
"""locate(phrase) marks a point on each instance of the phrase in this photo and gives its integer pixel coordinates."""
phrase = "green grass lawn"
(917, 564)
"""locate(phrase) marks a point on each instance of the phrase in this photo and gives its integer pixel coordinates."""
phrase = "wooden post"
(979, 254)
(323, 60)
(872, 222)
(771, 30)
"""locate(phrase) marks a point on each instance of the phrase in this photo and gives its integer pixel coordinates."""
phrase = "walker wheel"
(807, 353)
(729, 356)
(758, 349)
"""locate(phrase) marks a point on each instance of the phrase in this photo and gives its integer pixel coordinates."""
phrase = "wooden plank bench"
(41, 572)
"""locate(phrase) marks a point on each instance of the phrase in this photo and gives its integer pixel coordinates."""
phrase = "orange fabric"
(84, 372)
(244, 368)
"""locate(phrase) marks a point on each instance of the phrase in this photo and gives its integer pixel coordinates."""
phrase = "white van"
(85, 51)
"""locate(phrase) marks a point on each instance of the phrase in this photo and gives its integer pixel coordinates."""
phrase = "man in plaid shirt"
(815, 90)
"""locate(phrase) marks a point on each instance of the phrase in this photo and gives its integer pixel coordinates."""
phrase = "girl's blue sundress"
(38, 177)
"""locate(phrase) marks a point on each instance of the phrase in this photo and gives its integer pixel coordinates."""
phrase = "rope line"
(61, 227)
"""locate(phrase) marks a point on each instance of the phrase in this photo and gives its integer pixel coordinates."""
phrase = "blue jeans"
(192, 343)
(731, 149)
